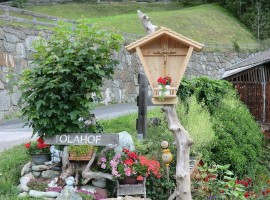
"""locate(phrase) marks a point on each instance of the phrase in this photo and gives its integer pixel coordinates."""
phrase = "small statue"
(55, 154)
(70, 181)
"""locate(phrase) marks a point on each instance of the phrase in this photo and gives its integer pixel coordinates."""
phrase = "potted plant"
(129, 167)
(80, 152)
(164, 85)
(39, 151)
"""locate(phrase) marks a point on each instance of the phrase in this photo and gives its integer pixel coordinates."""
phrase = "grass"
(208, 23)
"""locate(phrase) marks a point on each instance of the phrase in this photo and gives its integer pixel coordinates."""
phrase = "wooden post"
(142, 106)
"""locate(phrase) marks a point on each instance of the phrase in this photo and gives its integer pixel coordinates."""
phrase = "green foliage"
(216, 181)
(80, 150)
(38, 184)
(18, 3)
(11, 164)
(197, 121)
(207, 91)
(254, 14)
(70, 67)
(239, 139)
(209, 23)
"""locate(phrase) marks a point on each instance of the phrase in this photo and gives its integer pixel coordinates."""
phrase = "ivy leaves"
(70, 68)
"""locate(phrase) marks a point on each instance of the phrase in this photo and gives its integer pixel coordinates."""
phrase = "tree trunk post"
(182, 139)
(183, 143)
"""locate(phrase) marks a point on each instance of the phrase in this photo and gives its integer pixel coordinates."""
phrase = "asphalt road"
(13, 132)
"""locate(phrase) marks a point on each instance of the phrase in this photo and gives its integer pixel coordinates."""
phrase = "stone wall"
(16, 55)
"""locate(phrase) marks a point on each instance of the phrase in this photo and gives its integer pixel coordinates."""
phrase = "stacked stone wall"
(16, 55)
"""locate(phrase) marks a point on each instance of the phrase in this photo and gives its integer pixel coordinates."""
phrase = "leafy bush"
(240, 139)
(70, 68)
(216, 182)
(197, 121)
(207, 91)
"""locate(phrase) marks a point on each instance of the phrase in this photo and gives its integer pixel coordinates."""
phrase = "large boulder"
(125, 141)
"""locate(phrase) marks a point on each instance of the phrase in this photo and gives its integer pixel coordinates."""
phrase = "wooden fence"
(29, 17)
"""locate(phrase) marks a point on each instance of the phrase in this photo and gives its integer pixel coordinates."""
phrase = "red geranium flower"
(128, 162)
(27, 145)
(40, 140)
(125, 150)
(139, 178)
(41, 145)
(133, 155)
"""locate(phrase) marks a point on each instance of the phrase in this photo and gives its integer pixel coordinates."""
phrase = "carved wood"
(148, 26)
(183, 143)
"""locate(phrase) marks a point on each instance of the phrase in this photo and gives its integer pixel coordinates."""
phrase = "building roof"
(253, 61)
(132, 47)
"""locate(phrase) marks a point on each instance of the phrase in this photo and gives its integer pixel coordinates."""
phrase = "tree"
(70, 68)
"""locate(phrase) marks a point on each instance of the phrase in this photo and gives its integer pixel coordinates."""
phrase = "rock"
(2, 86)
(134, 198)
(39, 168)
(11, 38)
(89, 188)
(20, 50)
(125, 141)
(29, 175)
(29, 41)
(102, 192)
(68, 194)
(53, 182)
(9, 47)
(15, 98)
(100, 183)
(26, 168)
(36, 174)
(38, 194)
(23, 195)
(23, 183)
(4, 100)
(50, 174)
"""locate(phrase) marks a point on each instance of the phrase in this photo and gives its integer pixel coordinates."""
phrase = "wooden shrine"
(164, 53)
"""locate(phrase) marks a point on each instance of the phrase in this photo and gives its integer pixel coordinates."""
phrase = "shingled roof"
(253, 61)
(132, 47)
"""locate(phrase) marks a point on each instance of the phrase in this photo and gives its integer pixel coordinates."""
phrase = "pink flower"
(113, 163)
(128, 171)
(103, 159)
(103, 166)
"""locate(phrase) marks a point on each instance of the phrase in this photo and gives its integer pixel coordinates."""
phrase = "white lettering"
(70, 142)
(91, 137)
(57, 139)
(98, 137)
(77, 139)
(84, 139)
(65, 139)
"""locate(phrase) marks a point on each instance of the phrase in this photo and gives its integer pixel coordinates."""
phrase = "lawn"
(208, 23)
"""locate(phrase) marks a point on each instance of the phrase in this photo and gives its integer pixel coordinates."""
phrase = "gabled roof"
(132, 47)
(253, 61)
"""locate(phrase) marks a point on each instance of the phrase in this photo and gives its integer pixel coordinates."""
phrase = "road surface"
(12, 132)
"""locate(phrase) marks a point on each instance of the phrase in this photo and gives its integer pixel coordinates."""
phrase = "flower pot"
(73, 156)
(39, 159)
(128, 180)
(163, 92)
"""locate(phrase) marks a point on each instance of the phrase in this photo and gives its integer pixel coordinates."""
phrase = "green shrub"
(207, 91)
(70, 67)
(197, 121)
(239, 138)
